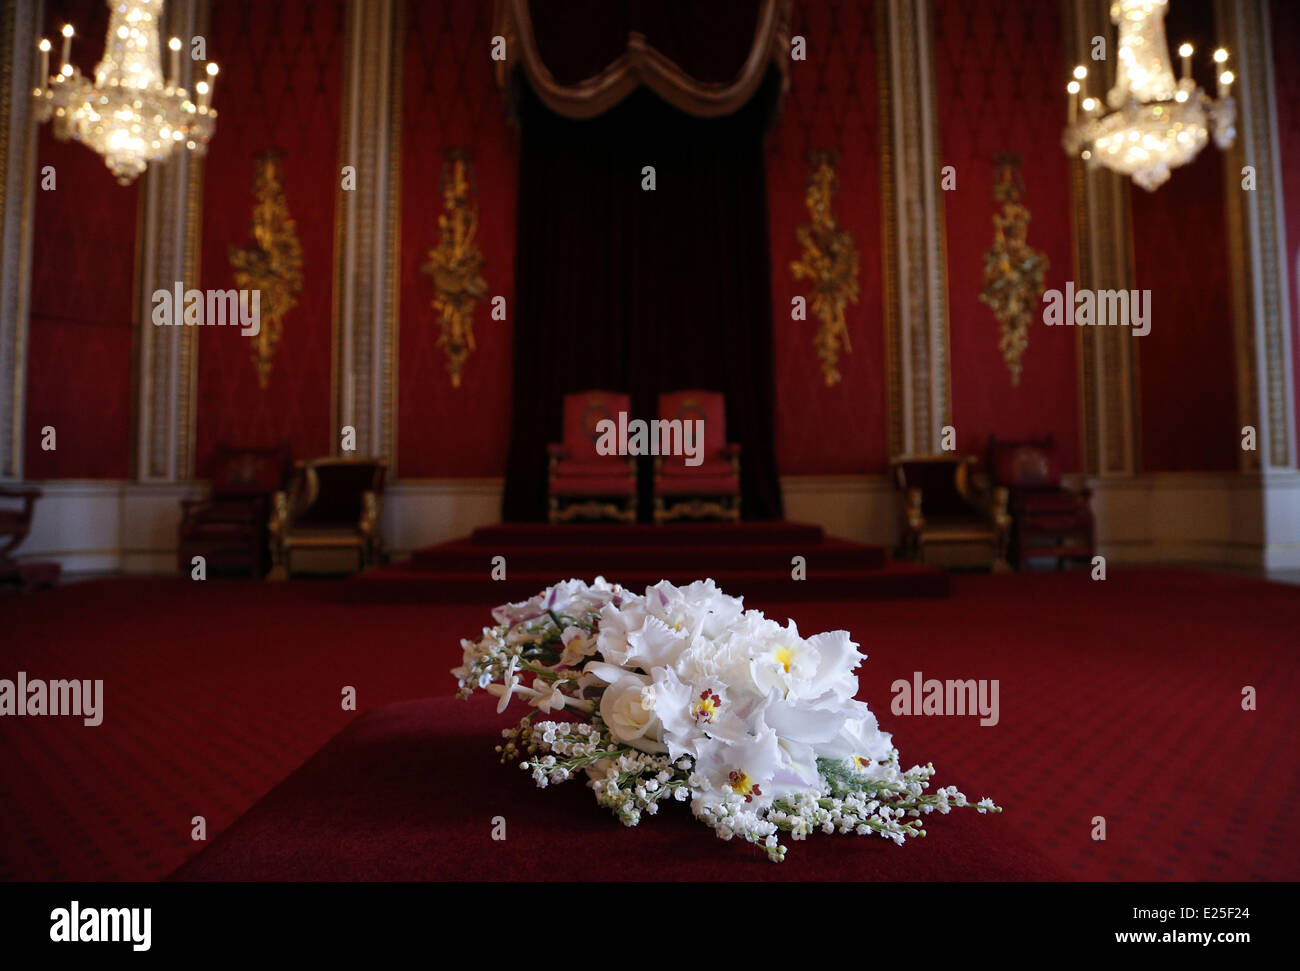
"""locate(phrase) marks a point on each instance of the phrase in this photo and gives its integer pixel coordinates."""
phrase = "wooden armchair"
(947, 519)
(331, 504)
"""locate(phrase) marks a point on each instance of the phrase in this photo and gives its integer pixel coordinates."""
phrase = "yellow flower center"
(784, 655)
(705, 706)
(742, 785)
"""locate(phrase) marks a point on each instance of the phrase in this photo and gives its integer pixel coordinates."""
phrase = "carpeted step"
(402, 584)
(647, 534)
(607, 559)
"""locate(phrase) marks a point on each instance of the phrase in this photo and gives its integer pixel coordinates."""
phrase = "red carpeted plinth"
(413, 791)
(790, 561)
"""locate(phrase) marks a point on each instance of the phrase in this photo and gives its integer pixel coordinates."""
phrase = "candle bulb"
(175, 45)
(212, 83)
(45, 62)
(67, 45)
(1225, 81)
(202, 89)
(1073, 89)
(1185, 52)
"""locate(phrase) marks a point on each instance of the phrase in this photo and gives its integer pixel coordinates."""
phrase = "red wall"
(1000, 76)
(451, 99)
(83, 266)
(832, 103)
(1180, 253)
(279, 87)
(1286, 40)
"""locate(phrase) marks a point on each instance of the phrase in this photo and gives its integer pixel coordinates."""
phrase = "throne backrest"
(331, 489)
(1027, 464)
(238, 471)
(944, 481)
(583, 410)
(709, 406)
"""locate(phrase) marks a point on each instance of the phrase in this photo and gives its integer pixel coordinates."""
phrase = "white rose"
(628, 708)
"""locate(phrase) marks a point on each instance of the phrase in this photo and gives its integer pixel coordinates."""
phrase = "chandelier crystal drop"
(1150, 123)
(130, 114)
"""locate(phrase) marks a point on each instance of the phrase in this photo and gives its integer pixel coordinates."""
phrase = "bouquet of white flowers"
(683, 694)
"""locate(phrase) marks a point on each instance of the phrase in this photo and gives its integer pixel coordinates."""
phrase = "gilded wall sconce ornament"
(273, 264)
(830, 261)
(1013, 270)
(455, 262)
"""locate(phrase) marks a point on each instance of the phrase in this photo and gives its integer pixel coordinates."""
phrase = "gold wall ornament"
(455, 262)
(1013, 270)
(829, 261)
(273, 265)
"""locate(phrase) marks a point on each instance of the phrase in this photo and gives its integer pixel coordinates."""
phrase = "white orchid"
(688, 697)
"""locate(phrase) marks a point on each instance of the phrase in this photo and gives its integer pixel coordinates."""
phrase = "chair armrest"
(370, 503)
(278, 521)
(911, 500)
(998, 512)
(555, 453)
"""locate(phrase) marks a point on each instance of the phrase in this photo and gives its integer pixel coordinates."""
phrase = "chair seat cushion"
(697, 485)
(675, 465)
(948, 528)
(607, 485)
(588, 467)
(1045, 501)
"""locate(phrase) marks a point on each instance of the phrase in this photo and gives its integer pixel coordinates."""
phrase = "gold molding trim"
(1014, 271)
(367, 221)
(829, 260)
(913, 229)
(1260, 274)
(456, 262)
(19, 23)
(1109, 406)
(273, 265)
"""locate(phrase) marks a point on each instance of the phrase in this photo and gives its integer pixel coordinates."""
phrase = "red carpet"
(1118, 699)
(406, 793)
(754, 559)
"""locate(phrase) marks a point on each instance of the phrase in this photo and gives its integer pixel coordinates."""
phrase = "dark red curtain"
(642, 291)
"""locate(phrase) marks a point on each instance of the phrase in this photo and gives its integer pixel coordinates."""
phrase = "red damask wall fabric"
(83, 270)
(1286, 40)
(1180, 253)
(1000, 78)
(832, 103)
(279, 88)
(451, 100)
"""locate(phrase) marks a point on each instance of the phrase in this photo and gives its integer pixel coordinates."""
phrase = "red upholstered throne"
(711, 489)
(1048, 520)
(229, 528)
(584, 484)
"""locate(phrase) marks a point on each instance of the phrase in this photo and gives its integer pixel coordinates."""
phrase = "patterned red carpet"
(1119, 699)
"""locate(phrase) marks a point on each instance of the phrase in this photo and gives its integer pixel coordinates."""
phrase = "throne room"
(712, 411)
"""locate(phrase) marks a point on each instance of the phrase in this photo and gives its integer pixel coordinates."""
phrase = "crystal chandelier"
(1150, 123)
(130, 114)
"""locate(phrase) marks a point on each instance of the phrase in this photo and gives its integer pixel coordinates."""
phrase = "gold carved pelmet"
(273, 264)
(1013, 270)
(456, 261)
(829, 261)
